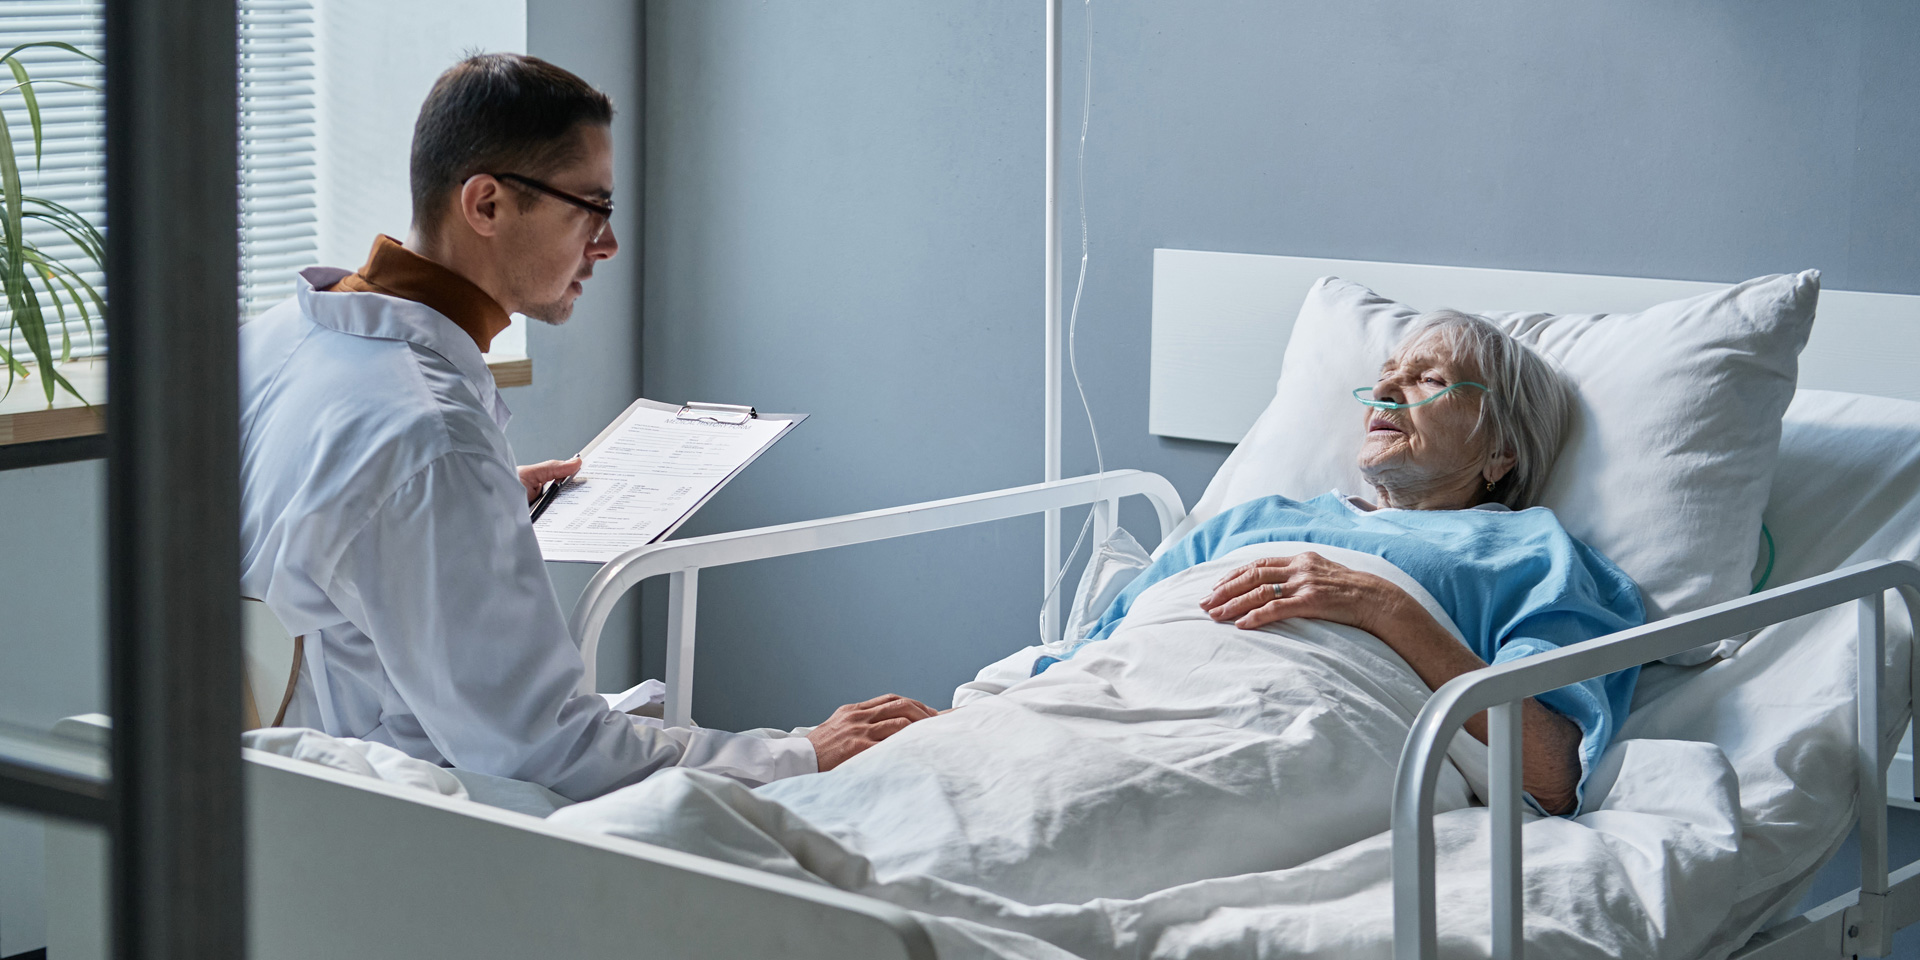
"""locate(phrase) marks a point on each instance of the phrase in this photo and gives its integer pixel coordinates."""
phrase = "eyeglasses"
(599, 212)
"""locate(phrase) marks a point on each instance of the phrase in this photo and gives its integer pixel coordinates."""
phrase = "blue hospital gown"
(1514, 582)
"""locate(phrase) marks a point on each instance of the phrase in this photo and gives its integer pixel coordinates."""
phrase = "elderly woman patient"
(1241, 707)
(1461, 432)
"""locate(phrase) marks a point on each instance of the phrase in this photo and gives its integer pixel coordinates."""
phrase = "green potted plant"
(27, 274)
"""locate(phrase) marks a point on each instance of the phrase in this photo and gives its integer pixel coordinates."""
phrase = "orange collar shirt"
(393, 270)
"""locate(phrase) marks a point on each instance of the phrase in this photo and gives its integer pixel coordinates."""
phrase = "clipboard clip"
(728, 413)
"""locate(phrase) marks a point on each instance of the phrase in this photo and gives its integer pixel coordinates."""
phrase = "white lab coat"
(381, 514)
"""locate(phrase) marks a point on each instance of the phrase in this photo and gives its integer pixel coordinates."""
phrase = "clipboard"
(648, 472)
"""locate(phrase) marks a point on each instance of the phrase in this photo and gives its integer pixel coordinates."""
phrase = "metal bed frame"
(1856, 924)
(682, 560)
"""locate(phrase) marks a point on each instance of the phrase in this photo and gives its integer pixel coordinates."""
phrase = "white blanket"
(1189, 789)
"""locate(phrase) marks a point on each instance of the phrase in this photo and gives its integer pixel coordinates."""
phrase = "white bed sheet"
(382, 762)
(1725, 790)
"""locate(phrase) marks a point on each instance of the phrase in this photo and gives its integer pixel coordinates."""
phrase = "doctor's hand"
(857, 726)
(540, 474)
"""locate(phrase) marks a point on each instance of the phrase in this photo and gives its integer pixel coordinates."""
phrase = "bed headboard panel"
(1221, 322)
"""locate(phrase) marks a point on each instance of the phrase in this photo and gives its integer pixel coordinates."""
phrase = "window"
(372, 82)
(73, 159)
(276, 76)
(277, 210)
(326, 110)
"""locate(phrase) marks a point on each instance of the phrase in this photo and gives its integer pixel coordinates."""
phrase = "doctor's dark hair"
(496, 113)
(1527, 407)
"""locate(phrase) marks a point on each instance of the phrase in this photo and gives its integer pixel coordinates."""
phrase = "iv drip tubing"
(1080, 285)
(1051, 552)
(1073, 326)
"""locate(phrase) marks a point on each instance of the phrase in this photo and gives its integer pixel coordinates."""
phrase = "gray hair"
(1527, 407)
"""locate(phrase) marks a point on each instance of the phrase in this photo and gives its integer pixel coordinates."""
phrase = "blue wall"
(844, 217)
(588, 370)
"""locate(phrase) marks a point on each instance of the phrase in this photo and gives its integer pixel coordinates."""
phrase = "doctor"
(382, 516)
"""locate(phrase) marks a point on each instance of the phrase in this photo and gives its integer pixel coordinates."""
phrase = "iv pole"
(1051, 550)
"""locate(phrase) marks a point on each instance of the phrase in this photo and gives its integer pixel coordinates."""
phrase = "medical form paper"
(645, 474)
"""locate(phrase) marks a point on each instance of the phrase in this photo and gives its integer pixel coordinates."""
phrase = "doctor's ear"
(479, 204)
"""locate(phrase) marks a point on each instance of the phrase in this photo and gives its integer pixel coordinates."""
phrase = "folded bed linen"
(1189, 789)
(382, 762)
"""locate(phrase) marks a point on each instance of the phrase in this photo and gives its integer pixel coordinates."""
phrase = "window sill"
(511, 370)
(26, 418)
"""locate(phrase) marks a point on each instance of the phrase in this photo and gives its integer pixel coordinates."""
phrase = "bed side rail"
(422, 875)
(1501, 689)
(682, 560)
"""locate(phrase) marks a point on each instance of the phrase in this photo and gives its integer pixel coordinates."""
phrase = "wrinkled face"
(553, 240)
(1428, 446)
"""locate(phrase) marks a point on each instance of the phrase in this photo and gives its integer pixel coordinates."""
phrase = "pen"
(546, 499)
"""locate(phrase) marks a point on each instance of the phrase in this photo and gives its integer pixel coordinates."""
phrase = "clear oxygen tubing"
(1073, 322)
(1766, 574)
(1390, 405)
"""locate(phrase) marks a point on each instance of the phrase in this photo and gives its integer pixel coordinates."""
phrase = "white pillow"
(1114, 564)
(1846, 490)
(1848, 486)
(1672, 449)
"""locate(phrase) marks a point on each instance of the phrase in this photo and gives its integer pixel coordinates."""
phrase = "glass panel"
(53, 889)
(53, 589)
(52, 665)
(53, 866)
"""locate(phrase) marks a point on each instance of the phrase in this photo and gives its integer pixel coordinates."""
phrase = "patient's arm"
(1549, 744)
(1314, 587)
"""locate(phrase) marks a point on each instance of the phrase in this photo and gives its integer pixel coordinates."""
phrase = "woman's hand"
(538, 475)
(1307, 585)
(1313, 586)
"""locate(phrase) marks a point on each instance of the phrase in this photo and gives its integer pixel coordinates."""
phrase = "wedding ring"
(1276, 590)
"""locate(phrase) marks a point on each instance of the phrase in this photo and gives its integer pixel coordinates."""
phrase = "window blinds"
(73, 158)
(276, 89)
(277, 215)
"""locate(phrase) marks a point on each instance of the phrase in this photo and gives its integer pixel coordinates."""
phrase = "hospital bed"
(343, 864)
